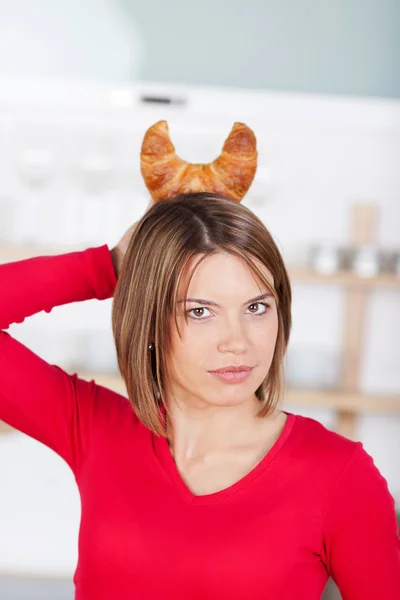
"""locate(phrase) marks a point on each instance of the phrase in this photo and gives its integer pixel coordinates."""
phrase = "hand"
(118, 252)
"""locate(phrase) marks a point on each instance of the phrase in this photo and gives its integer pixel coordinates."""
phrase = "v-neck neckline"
(171, 468)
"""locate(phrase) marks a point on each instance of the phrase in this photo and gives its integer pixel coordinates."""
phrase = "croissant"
(166, 175)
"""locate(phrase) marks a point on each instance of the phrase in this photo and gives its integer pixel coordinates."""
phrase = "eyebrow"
(211, 303)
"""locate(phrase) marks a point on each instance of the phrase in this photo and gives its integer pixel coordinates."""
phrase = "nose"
(233, 338)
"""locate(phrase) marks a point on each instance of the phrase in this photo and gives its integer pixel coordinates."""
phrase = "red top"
(315, 506)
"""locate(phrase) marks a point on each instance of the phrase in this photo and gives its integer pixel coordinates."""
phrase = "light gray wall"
(346, 47)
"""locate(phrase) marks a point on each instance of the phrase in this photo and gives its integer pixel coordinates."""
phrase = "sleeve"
(361, 533)
(41, 400)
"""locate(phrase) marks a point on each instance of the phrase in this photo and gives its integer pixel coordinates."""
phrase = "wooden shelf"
(9, 252)
(328, 399)
(342, 400)
(345, 278)
(12, 252)
(323, 399)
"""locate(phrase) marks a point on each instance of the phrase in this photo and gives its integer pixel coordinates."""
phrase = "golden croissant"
(166, 175)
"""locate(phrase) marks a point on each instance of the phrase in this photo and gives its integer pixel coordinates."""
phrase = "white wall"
(345, 47)
(86, 40)
(342, 47)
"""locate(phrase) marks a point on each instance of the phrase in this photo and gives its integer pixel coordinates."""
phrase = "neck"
(193, 433)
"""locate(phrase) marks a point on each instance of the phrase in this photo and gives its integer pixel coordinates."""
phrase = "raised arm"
(39, 284)
(60, 410)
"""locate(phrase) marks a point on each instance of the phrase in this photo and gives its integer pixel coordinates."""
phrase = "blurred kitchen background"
(319, 83)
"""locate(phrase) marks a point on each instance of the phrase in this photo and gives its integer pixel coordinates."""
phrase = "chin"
(231, 399)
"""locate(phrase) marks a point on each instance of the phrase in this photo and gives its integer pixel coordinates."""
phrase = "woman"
(199, 486)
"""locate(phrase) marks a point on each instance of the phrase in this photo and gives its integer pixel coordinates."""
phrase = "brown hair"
(164, 241)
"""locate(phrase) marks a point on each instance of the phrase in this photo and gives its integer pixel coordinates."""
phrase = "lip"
(233, 369)
(232, 376)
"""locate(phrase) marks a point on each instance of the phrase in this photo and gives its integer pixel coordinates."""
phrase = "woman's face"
(238, 331)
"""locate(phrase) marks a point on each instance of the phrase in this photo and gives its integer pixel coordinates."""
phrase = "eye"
(196, 309)
(202, 308)
(264, 304)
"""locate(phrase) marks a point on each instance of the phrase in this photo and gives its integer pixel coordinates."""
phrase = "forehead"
(223, 271)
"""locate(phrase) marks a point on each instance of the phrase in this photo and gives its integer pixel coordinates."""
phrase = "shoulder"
(335, 467)
(315, 437)
(322, 450)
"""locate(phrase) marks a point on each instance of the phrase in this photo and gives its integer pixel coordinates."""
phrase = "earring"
(151, 346)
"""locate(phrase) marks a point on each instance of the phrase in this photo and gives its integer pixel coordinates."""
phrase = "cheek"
(266, 332)
(196, 339)
(188, 366)
(190, 353)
